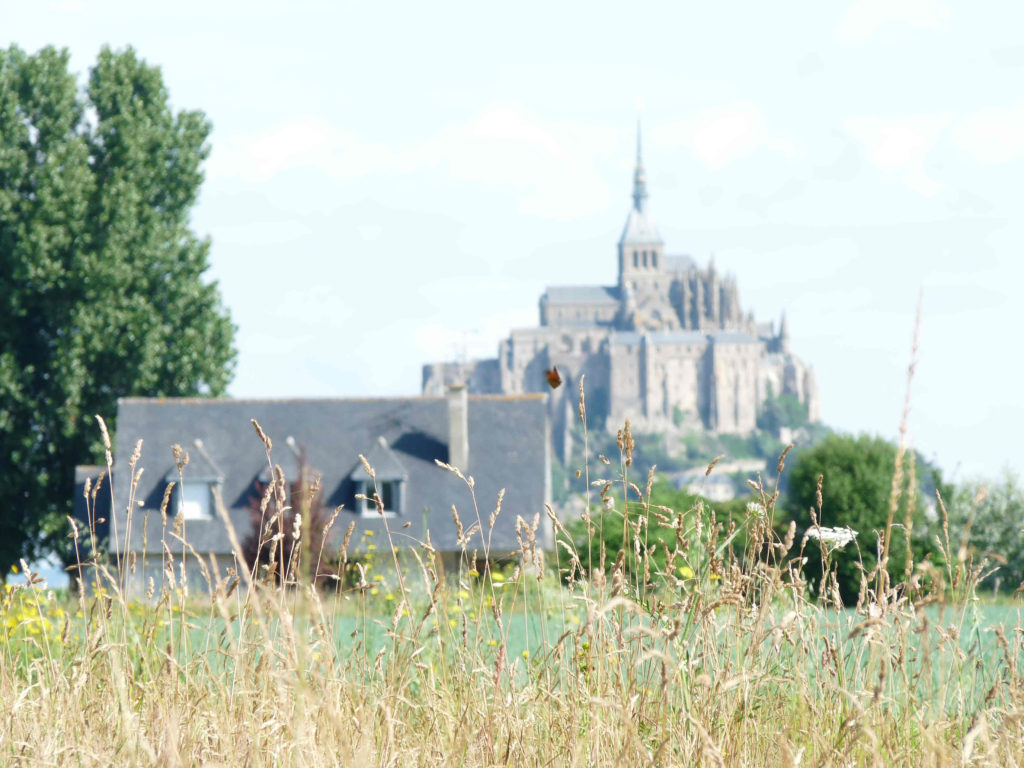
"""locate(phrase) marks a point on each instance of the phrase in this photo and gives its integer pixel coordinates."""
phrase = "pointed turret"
(641, 249)
(639, 177)
(783, 334)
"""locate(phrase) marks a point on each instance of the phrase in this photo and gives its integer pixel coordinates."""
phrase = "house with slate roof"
(668, 347)
(501, 441)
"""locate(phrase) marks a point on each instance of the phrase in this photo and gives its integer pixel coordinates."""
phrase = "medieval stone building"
(669, 347)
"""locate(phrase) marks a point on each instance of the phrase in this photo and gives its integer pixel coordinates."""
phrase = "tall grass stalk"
(711, 652)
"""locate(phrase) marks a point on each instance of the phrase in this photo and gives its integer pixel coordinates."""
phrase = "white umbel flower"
(837, 537)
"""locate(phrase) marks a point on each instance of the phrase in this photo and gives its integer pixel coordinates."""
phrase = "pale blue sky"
(396, 183)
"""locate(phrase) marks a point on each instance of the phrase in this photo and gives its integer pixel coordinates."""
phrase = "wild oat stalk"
(717, 657)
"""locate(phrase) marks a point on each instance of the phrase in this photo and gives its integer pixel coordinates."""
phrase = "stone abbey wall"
(669, 347)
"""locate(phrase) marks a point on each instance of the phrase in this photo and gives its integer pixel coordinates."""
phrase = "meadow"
(716, 652)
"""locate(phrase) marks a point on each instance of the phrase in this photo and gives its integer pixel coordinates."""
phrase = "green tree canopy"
(781, 411)
(988, 517)
(101, 293)
(857, 485)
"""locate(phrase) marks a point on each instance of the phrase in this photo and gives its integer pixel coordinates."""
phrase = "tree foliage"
(856, 490)
(987, 518)
(781, 411)
(101, 293)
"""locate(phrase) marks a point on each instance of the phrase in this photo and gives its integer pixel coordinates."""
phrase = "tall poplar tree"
(101, 290)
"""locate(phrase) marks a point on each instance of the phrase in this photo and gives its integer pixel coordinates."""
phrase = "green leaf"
(106, 297)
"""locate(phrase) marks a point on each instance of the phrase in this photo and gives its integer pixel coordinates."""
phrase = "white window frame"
(195, 500)
(368, 508)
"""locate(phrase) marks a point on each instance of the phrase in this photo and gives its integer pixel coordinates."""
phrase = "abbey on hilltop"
(669, 347)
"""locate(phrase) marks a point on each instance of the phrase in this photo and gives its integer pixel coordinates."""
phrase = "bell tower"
(641, 249)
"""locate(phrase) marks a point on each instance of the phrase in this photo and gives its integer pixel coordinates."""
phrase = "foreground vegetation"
(709, 647)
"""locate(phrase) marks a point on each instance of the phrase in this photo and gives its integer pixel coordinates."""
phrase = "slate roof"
(384, 463)
(582, 294)
(508, 448)
(640, 229)
(661, 337)
(679, 263)
(679, 337)
(201, 466)
(684, 337)
(733, 337)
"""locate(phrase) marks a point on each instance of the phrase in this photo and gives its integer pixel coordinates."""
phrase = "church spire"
(783, 339)
(640, 230)
(639, 176)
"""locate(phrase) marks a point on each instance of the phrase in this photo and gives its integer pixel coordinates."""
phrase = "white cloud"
(899, 146)
(991, 136)
(66, 6)
(723, 134)
(549, 164)
(260, 232)
(865, 17)
(303, 142)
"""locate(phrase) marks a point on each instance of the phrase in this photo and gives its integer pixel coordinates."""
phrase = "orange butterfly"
(554, 380)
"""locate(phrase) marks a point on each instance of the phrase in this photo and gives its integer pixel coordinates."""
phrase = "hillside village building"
(668, 347)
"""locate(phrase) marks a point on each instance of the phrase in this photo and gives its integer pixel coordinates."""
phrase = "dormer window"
(390, 477)
(390, 492)
(193, 491)
(195, 500)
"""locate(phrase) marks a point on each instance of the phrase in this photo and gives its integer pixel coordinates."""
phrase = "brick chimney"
(458, 427)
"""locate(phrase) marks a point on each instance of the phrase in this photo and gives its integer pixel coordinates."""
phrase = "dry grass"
(722, 660)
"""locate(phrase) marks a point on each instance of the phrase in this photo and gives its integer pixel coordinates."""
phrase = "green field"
(713, 655)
